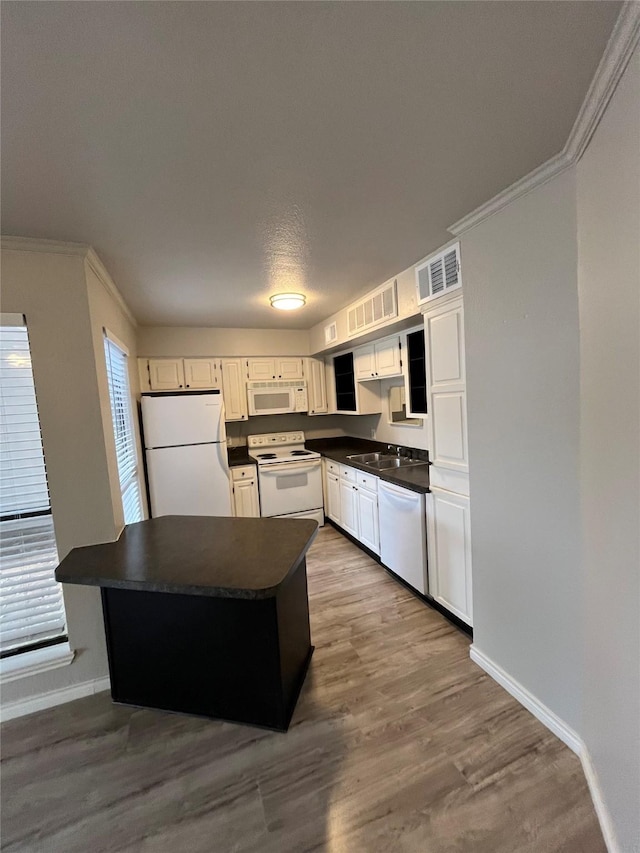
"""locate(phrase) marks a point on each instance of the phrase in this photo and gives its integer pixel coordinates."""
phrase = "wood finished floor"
(399, 743)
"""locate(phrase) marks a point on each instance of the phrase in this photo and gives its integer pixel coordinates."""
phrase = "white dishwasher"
(403, 536)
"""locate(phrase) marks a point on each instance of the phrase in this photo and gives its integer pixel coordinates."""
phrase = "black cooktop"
(266, 455)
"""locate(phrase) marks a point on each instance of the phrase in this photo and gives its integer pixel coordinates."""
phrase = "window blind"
(31, 604)
(118, 377)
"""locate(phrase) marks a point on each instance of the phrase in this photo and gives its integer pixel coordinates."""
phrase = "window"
(31, 608)
(118, 376)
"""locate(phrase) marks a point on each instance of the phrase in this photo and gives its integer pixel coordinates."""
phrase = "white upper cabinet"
(166, 374)
(316, 386)
(289, 368)
(268, 369)
(175, 374)
(365, 363)
(388, 360)
(234, 389)
(261, 369)
(202, 373)
(439, 274)
(378, 360)
(446, 379)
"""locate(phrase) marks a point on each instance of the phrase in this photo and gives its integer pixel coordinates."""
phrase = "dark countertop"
(196, 555)
(239, 456)
(415, 478)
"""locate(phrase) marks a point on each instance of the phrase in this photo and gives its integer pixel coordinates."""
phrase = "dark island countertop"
(415, 478)
(196, 555)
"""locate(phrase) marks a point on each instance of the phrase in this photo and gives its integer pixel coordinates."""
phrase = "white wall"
(408, 435)
(609, 294)
(522, 348)
(50, 289)
(314, 426)
(159, 341)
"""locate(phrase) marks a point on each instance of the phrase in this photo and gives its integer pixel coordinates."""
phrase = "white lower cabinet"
(352, 503)
(349, 507)
(449, 547)
(368, 527)
(244, 492)
(333, 497)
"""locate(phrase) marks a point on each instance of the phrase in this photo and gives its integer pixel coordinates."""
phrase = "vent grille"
(380, 306)
(439, 274)
(331, 333)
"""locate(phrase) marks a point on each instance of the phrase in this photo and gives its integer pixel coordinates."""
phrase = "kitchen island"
(205, 616)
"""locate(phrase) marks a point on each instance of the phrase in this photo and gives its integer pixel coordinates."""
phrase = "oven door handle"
(283, 469)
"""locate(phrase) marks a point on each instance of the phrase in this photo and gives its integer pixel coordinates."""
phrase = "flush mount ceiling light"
(287, 301)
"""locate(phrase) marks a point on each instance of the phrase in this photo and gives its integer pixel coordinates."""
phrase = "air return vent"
(330, 333)
(381, 305)
(439, 274)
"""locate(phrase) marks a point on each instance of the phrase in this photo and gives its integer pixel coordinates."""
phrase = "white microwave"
(277, 398)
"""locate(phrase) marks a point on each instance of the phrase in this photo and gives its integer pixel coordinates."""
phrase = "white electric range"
(289, 476)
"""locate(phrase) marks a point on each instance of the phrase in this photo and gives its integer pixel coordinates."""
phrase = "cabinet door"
(234, 389)
(333, 498)
(349, 507)
(365, 363)
(449, 542)
(388, 361)
(289, 368)
(368, 526)
(245, 499)
(166, 374)
(201, 373)
(444, 339)
(261, 369)
(317, 386)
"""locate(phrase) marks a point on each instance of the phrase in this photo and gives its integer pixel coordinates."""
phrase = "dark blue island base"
(233, 646)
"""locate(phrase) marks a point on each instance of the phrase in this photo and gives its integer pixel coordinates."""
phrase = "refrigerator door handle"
(221, 448)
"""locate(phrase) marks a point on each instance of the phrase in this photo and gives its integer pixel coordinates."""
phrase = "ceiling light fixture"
(287, 301)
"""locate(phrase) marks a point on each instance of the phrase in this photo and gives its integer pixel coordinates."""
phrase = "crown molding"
(622, 42)
(79, 250)
(34, 244)
(96, 265)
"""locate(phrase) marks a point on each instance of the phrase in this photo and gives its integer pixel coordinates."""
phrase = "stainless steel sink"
(394, 462)
(384, 461)
(368, 458)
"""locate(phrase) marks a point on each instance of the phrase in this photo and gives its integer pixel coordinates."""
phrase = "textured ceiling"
(213, 153)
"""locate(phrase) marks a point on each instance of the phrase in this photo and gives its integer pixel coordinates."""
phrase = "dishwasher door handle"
(401, 494)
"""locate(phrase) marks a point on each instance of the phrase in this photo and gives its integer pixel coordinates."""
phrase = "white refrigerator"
(186, 451)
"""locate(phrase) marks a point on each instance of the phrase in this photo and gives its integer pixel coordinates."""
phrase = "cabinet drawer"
(348, 473)
(243, 472)
(367, 481)
(333, 467)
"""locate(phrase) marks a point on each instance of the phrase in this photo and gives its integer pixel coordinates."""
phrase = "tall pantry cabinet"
(448, 528)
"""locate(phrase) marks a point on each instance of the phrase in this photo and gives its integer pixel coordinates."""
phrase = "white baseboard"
(604, 817)
(21, 707)
(566, 734)
(544, 714)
